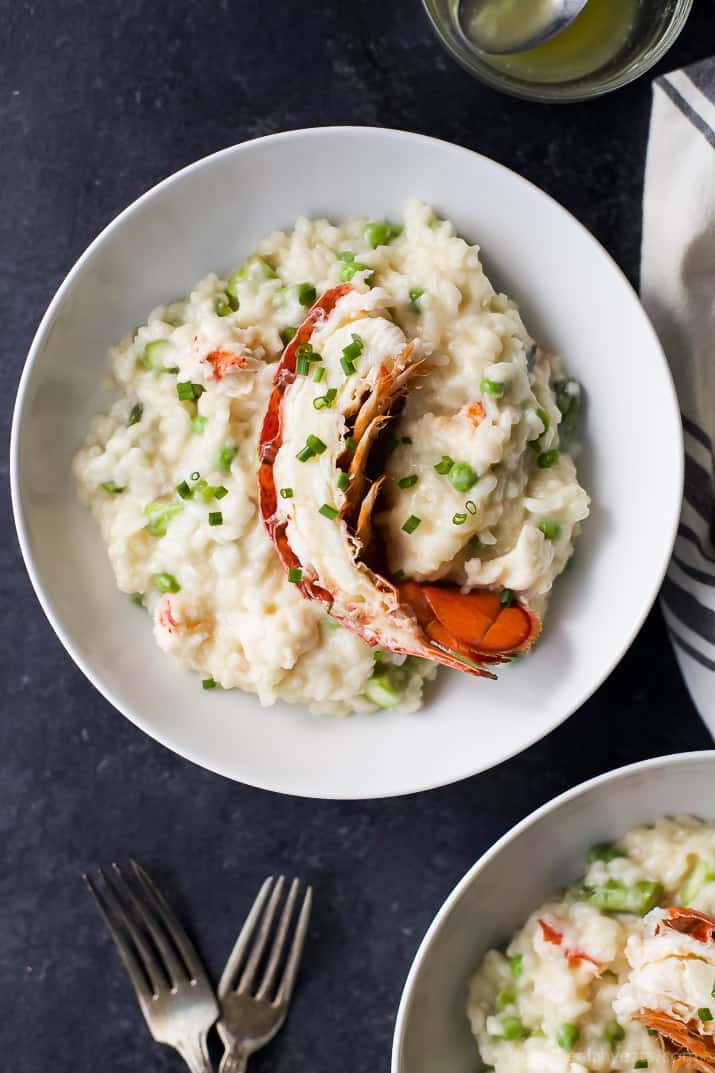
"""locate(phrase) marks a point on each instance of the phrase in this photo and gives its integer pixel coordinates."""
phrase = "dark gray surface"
(98, 102)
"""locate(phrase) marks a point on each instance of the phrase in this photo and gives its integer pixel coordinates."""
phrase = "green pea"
(287, 334)
(614, 1033)
(506, 998)
(547, 459)
(551, 530)
(377, 234)
(567, 1036)
(492, 387)
(462, 476)
(306, 294)
(514, 1028)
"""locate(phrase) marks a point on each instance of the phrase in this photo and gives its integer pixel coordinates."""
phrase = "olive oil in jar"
(592, 41)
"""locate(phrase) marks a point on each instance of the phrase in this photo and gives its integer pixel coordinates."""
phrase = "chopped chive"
(347, 366)
(305, 454)
(220, 491)
(304, 350)
(323, 401)
(135, 414)
(222, 306)
(318, 374)
(316, 444)
(459, 518)
(411, 524)
(343, 481)
(350, 444)
(198, 424)
(295, 574)
(185, 391)
(415, 295)
(492, 387)
(113, 487)
(137, 598)
(547, 459)
(551, 530)
(346, 256)
(406, 439)
(215, 517)
(287, 334)
(208, 683)
(306, 294)
(704, 1014)
(408, 482)
(195, 475)
(713, 991)
(398, 575)
(166, 583)
(471, 506)
(302, 366)
(377, 655)
(183, 490)
(226, 456)
(531, 357)
(327, 511)
(286, 493)
(444, 465)
(354, 349)
(506, 597)
(435, 222)
(389, 444)
(642, 1063)
(495, 467)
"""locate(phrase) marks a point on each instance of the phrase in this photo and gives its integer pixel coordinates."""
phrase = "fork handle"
(195, 1054)
(234, 1060)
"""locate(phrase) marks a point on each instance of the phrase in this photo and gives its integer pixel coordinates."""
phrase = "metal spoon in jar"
(502, 26)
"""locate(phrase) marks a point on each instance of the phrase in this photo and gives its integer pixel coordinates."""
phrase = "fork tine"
(115, 896)
(244, 937)
(278, 942)
(261, 939)
(131, 963)
(153, 922)
(172, 924)
(290, 972)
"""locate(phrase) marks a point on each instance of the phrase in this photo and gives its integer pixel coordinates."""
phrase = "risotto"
(562, 996)
(478, 456)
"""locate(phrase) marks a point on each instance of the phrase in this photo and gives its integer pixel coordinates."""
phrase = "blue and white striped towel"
(678, 290)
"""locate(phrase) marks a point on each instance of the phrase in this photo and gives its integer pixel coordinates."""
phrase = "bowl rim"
(513, 833)
(18, 507)
(558, 92)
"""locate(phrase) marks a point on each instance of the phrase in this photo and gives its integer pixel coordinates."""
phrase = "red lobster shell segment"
(691, 1048)
(433, 621)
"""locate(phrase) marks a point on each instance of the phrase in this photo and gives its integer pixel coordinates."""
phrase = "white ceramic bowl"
(542, 853)
(207, 217)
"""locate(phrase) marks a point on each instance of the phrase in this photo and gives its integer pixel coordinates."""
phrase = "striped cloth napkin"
(678, 291)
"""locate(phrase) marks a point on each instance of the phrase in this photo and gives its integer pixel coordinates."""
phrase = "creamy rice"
(234, 617)
(561, 989)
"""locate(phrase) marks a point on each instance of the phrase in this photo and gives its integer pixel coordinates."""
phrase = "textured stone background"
(97, 102)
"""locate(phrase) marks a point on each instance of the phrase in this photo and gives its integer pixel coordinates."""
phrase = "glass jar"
(559, 70)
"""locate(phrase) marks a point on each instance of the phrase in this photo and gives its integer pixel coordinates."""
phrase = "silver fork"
(251, 1017)
(174, 993)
